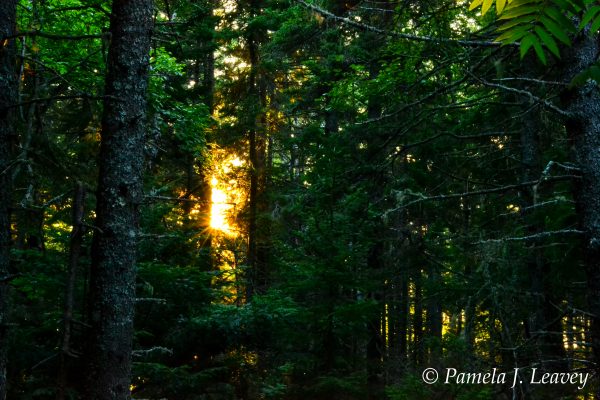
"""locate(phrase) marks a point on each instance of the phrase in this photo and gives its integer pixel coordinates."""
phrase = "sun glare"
(219, 208)
(224, 195)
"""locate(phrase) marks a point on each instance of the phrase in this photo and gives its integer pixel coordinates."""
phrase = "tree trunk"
(257, 149)
(74, 253)
(417, 323)
(583, 129)
(112, 286)
(545, 321)
(434, 315)
(375, 330)
(8, 91)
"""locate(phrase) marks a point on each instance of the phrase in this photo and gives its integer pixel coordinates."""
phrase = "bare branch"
(485, 191)
(150, 300)
(153, 350)
(532, 80)
(370, 28)
(527, 93)
(54, 36)
(62, 97)
(546, 203)
(537, 236)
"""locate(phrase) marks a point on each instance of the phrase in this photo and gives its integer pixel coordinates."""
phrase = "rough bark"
(257, 154)
(8, 95)
(119, 194)
(583, 128)
(74, 253)
(545, 317)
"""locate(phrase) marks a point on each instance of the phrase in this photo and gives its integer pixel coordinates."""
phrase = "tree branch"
(370, 28)
(485, 191)
(537, 236)
(54, 36)
(530, 95)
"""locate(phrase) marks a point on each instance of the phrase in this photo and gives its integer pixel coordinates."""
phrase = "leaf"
(513, 35)
(568, 5)
(595, 26)
(595, 73)
(563, 22)
(500, 4)
(518, 3)
(526, 43)
(581, 78)
(486, 6)
(548, 40)
(588, 16)
(475, 4)
(537, 46)
(526, 19)
(517, 12)
(555, 30)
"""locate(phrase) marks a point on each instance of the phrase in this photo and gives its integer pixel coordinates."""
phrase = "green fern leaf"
(517, 12)
(526, 43)
(537, 46)
(548, 40)
(565, 24)
(524, 20)
(556, 30)
(500, 4)
(475, 4)
(595, 25)
(518, 3)
(486, 6)
(589, 16)
(513, 35)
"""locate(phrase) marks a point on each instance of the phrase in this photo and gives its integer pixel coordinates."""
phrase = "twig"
(150, 300)
(527, 93)
(485, 191)
(532, 80)
(63, 97)
(541, 235)
(54, 36)
(370, 28)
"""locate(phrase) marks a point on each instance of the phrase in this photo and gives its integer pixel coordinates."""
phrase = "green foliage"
(412, 388)
(540, 24)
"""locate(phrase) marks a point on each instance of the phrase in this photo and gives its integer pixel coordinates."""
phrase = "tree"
(119, 195)
(8, 98)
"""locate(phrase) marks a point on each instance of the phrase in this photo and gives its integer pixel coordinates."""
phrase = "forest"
(299, 199)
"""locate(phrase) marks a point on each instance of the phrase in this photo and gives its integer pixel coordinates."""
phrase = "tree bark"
(545, 317)
(77, 234)
(8, 95)
(257, 152)
(119, 194)
(583, 128)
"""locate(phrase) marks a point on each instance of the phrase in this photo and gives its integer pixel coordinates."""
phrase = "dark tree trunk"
(257, 152)
(8, 94)
(112, 286)
(74, 254)
(417, 323)
(376, 328)
(583, 129)
(545, 321)
(434, 315)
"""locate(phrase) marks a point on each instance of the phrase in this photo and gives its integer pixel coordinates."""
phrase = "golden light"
(219, 208)
(225, 193)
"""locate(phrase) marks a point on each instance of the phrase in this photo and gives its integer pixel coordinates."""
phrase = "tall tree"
(583, 128)
(7, 100)
(119, 194)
